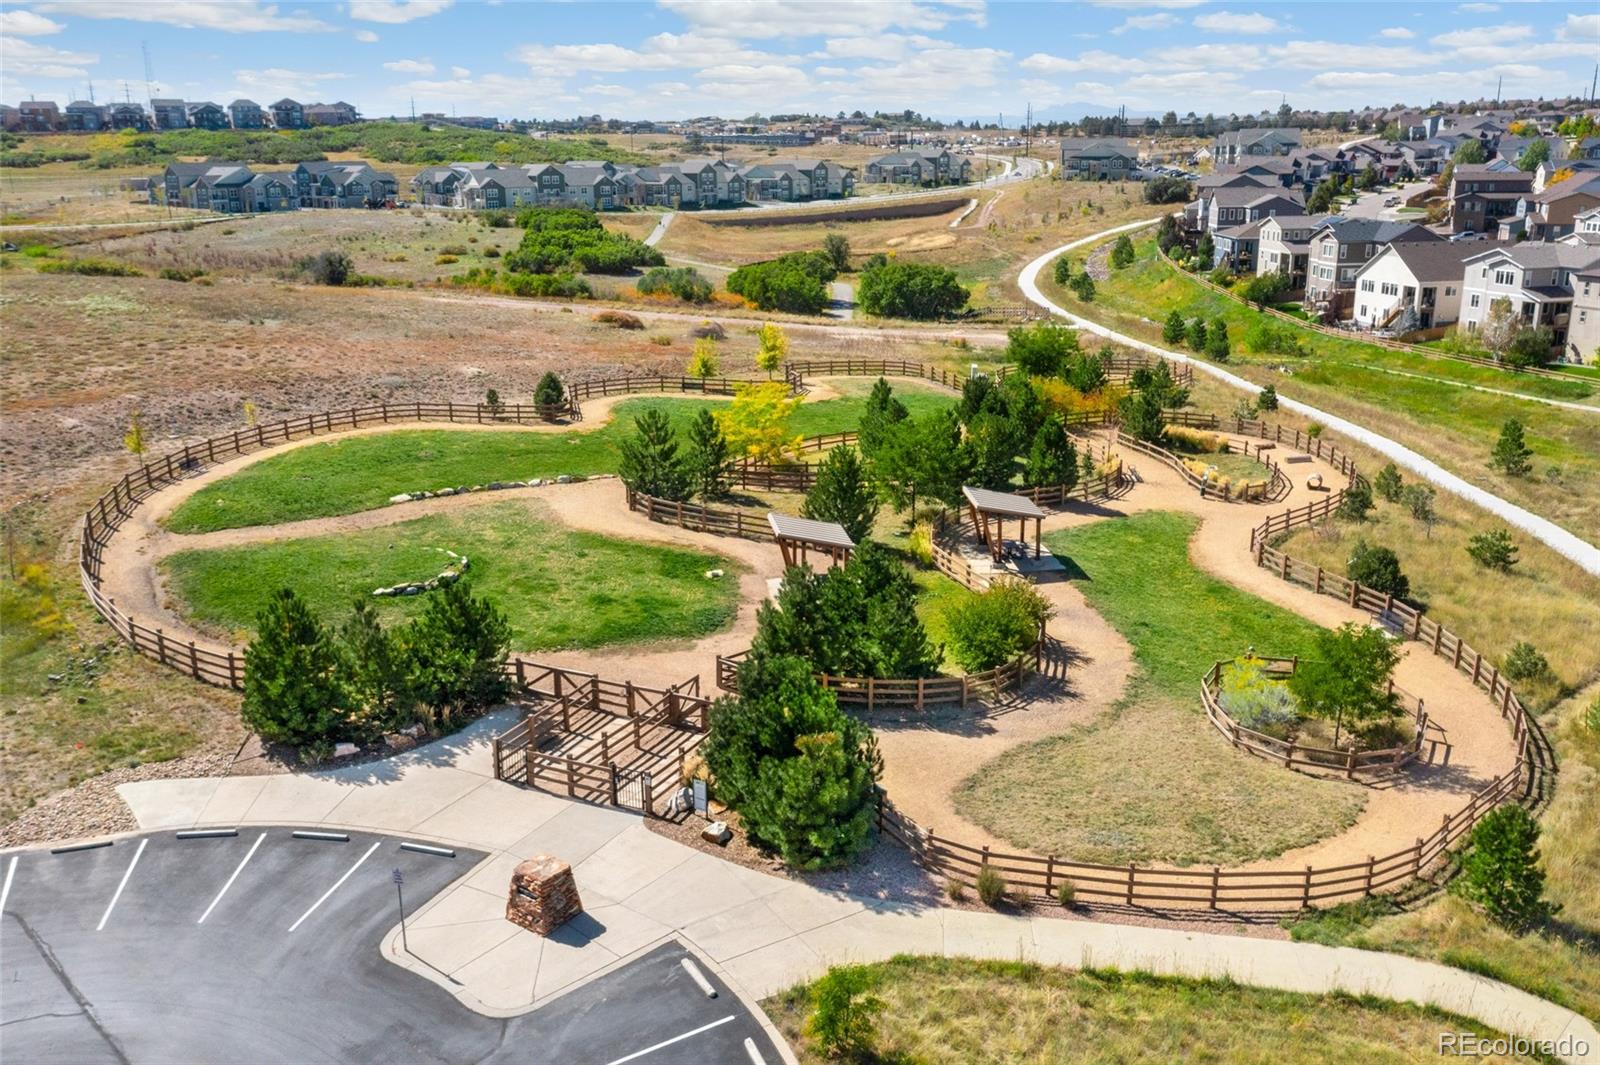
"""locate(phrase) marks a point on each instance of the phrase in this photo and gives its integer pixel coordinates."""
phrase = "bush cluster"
(679, 282)
(795, 283)
(997, 624)
(91, 267)
(893, 289)
(567, 239)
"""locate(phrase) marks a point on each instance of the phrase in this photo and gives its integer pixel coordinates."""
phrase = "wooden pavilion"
(990, 512)
(797, 537)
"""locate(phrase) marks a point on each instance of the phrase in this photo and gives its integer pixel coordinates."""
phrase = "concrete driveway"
(267, 946)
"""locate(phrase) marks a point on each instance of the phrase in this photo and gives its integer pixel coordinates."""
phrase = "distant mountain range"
(1067, 112)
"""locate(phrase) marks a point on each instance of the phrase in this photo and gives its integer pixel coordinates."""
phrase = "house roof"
(162, 103)
(1251, 195)
(1587, 185)
(1096, 148)
(1376, 231)
(1244, 232)
(822, 533)
(286, 102)
(1540, 254)
(244, 103)
(1438, 260)
(1003, 503)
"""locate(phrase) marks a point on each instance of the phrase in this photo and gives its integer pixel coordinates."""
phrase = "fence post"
(1355, 591)
(1130, 883)
(497, 774)
(161, 647)
(1416, 859)
(627, 686)
(1216, 876)
(647, 794)
(1050, 874)
(1305, 893)
(522, 676)
(233, 675)
(613, 784)
(1319, 580)
(1350, 764)
(571, 788)
(1366, 889)
(194, 662)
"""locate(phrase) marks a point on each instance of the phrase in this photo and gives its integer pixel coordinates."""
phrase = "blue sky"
(681, 58)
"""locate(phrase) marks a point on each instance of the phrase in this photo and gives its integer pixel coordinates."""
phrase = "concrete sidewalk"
(764, 933)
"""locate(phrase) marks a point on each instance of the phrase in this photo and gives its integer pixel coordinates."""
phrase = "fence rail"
(1274, 488)
(1291, 754)
(633, 383)
(1119, 368)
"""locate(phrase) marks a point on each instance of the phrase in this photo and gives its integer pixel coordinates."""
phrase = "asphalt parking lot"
(264, 947)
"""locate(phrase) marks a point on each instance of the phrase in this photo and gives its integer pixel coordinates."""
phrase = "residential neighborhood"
(165, 113)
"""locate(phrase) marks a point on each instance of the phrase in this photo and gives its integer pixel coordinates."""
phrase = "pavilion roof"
(1003, 503)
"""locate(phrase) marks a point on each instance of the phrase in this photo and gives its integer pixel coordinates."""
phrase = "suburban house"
(1236, 205)
(169, 114)
(593, 183)
(1236, 247)
(1284, 246)
(179, 178)
(1511, 148)
(1196, 211)
(1412, 285)
(1340, 247)
(1553, 212)
(206, 115)
(803, 179)
(919, 166)
(1414, 125)
(38, 116)
(128, 116)
(247, 114)
(334, 114)
(86, 115)
(1583, 329)
(1097, 159)
(271, 192)
(346, 184)
(219, 188)
(1585, 228)
(288, 114)
(1537, 278)
(1481, 194)
(1232, 147)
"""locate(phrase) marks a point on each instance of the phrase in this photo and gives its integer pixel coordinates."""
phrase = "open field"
(1152, 782)
(361, 472)
(1428, 403)
(953, 1010)
(559, 588)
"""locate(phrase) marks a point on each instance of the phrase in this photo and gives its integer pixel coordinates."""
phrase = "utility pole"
(1594, 83)
(149, 76)
(1497, 87)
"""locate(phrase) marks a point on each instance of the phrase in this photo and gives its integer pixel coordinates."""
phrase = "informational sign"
(702, 803)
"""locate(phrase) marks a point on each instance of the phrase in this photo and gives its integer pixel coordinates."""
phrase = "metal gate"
(631, 788)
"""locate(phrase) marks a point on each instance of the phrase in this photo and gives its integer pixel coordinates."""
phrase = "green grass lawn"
(1152, 781)
(960, 1011)
(1432, 412)
(361, 472)
(560, 588)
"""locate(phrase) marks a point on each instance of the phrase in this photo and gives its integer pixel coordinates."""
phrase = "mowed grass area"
(958, 1011)
(359, 473)
(560, 588)
(1153, 782)
(1431, 404)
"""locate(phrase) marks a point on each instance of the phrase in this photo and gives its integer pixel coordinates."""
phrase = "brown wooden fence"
(1269, 491)
(1352, 763)
(1119, 369)
(634, 383)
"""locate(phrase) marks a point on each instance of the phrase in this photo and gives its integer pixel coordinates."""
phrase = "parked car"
(1465, 234)
(1392, 201)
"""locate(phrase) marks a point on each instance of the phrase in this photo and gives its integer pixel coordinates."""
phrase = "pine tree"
(1173, 329)
(294, 683)
(457, 651)
(1388, 484)
(708, 462)
(1062, 271)
(990, 451)
(1501, 870)
(650, 462)
(1122, 252)
(1493, 550)
(549, 392)
(883, 409)
(1217, 340)
(1267, 399)
(841, 494)
(1197, 334)
(1052, 459)
(376, 668)
(1511, 452)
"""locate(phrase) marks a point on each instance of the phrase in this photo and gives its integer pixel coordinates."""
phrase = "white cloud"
(395, 12)
(245, 16)
(1159, 21)
(366, 37)
(1044, 63)
(25, 57)
(830, 72)
(1483, 35)
(1398, 33)
(1478, 8)
(410, 66)
(27, 24)
(607, 90)
(1324, 54)
(460, 72)
(1580, 28)
(1233, 22)
(278, 81)
(803, 18)
(611, 58)
(1126, 4)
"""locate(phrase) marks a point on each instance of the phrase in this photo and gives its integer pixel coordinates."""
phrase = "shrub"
(1356, 503)
(1083, 287)
(994, 626)
(1524, 662)
(176, 273)
(1263, 289)
(549, 392)
(1493, 550)
(1418, 500)
(955, 891)
(795, 283)
(89, 267)
(328, 267)
(1168, 190)
(1066, 894)
(841, 494)
(895, 289)
(294, 691)
(1388, 484)
(532, 285)
(1254, 700)
(842, 1011)
(1377, 568)
(991, 886)
(562, 239)
(661, 340)
(619, 319)
(1267, 337)
(446, 260)
(491, 253)
(681, 282)
(1122, 252)
(1501, 869)
(1041, 350)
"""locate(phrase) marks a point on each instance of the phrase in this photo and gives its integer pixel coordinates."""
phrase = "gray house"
(288, 114)
(207, 115)
(1097, 159)
(86, 115)
(169, 114)
(1236, 145)
(247, 114)
(919, 166)
(1340, 247)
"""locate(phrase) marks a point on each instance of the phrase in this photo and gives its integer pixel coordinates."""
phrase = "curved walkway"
(1558, 539)
(765, 932)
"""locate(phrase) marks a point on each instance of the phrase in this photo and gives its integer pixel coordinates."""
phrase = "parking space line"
(336, 884)
(675, 1039)
(753, 1052)
(237, 870)
(126, 873)
(5, 892)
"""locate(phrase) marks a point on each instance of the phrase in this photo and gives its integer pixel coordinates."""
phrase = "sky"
(684, 58)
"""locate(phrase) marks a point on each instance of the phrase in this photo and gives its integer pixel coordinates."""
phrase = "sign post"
(400, 879)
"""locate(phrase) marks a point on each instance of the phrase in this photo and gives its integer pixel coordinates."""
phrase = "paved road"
(1558, 539)
(661, 229)
(1371, 204)
(841, 300)
(263, 947)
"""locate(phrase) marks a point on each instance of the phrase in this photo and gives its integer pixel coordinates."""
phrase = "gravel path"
(1548, 532)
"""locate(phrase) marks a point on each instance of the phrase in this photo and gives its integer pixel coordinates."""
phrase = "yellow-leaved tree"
(774, 347)
(133, 439)
(756, 423)
(703, 363)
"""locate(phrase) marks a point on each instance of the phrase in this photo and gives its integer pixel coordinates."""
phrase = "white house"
(1422, 277)
(1535, 277)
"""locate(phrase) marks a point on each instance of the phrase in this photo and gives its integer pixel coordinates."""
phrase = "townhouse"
(247, 114)
(1236, 247)
(1097, 159)
(86, 115)
(1342, 246)
(1585, 228)
(169, 114)
(919, 166)
(38, 116)
(233, 188)
(1412, 285)
(206, 115)
(1552, 212)
(1234, 146)
(1237, 205)
(343, 184)
(334, 114)
(1483, 193)
(1284, 246)
(1583, 328)
(1535, 278)
(288, 114)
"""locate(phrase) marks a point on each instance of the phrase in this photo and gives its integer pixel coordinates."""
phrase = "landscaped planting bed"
(945, 1011)
(1152, 782)
(560, 588)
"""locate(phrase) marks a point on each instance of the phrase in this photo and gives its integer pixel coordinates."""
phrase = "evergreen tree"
(1122, 252)
(1197, 334)
(1267, 399)
(990, 450)
(650, 462)
(841, 494)
(921, 457)
(294, 682)
(376, 668)
(549, 392)
(883, 410)
(1217, 340)
(1418, 499)
(1355, 504)
(1511, 453)
(1501, 869)
(1062, 271)
(1388, 484)
(1173, 329)
(1378, 568)
(975, 393)
(837, 247)
(1493, 550)
(1052, 459)
(1082, 286)
(1041, 350)
(708, 463)
(457, 651)
(1205, 250)
(1141, 417)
